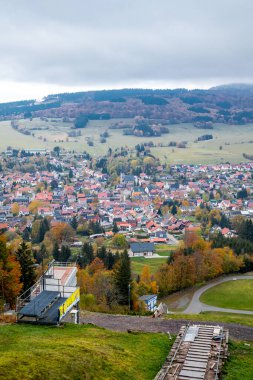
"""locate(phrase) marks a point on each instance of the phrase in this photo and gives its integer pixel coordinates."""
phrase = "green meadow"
(139, 262)
(232, 295)
(228, 144)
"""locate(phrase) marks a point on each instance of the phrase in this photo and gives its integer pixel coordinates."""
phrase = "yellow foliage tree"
(34, 205)
(15, 209)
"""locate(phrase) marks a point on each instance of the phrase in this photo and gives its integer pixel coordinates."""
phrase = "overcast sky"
(50, 46)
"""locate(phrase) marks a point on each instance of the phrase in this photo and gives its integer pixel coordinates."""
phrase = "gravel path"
(149, 324)
(196, 306)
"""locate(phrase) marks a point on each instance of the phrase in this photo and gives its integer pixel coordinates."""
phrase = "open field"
(232, 294)
(234, 140)
(79, 352)
(139, 262)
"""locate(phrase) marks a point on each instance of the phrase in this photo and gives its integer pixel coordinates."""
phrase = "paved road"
(195, 306)
(149, 324)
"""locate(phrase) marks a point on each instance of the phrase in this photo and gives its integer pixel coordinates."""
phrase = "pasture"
(228, 144)
(231, 294)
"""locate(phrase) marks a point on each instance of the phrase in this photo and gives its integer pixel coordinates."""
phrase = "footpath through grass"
(232, 295)
(79, 352)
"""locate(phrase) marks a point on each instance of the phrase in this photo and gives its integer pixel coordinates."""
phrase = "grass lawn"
(79, 352)
(163, 253)
(209, 316)
(164, 249)
(240, 362)
(232, 294)
(139, 262)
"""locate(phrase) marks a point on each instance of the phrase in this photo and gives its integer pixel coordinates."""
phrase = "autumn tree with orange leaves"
(61, 232)
(10, 273)
(195, 262)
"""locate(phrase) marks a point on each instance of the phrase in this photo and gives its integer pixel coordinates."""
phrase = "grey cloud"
(114, 41)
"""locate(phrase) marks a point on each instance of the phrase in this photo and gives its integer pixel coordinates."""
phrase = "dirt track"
(148, 324)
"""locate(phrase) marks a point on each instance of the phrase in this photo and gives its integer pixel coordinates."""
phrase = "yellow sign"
(70, 301)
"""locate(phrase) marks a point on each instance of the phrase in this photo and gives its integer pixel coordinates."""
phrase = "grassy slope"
(139, 262)
(79, 352)
(240, 362)
(233, 294)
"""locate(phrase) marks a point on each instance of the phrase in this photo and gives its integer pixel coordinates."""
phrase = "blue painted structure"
(150, 300)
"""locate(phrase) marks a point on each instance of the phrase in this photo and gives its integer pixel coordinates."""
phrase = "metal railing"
(40, 284)
(63, 264)
(26, 296)
(219, 354)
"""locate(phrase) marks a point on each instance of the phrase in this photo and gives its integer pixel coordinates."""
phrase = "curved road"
(196, 306)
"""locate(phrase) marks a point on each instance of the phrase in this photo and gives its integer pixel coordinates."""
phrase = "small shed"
(150, 300)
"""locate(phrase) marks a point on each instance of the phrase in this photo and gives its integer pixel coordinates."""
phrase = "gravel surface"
(149, 324)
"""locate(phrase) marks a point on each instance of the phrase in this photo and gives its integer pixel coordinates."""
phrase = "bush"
(87, 301)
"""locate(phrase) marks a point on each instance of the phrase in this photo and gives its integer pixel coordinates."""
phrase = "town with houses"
(132, 204)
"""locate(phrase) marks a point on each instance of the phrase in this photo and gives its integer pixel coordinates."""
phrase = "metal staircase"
(53, 296)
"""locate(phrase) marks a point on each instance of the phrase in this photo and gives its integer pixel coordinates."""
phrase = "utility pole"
(129, 296)
(43, 278)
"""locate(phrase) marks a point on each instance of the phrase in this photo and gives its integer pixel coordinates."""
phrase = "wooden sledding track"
(198, 353)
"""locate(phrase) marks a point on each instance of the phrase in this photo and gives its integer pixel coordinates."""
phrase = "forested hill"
(230, 104)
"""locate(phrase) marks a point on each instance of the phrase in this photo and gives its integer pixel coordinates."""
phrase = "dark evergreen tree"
(56, 253)
(224, 222)
(87, 254)
(246, 230)
(174, 210)
(26, 235)
(64, 254)
(242, 194)
(74, 223)
(116, 257)
(110, 260)
(115, 228)
(25, 258)
(97, 228)
(122, 278)
(102, 253)
(71, 175)
(44, 227)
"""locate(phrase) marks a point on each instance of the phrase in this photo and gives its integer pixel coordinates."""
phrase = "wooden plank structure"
(198, 353)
